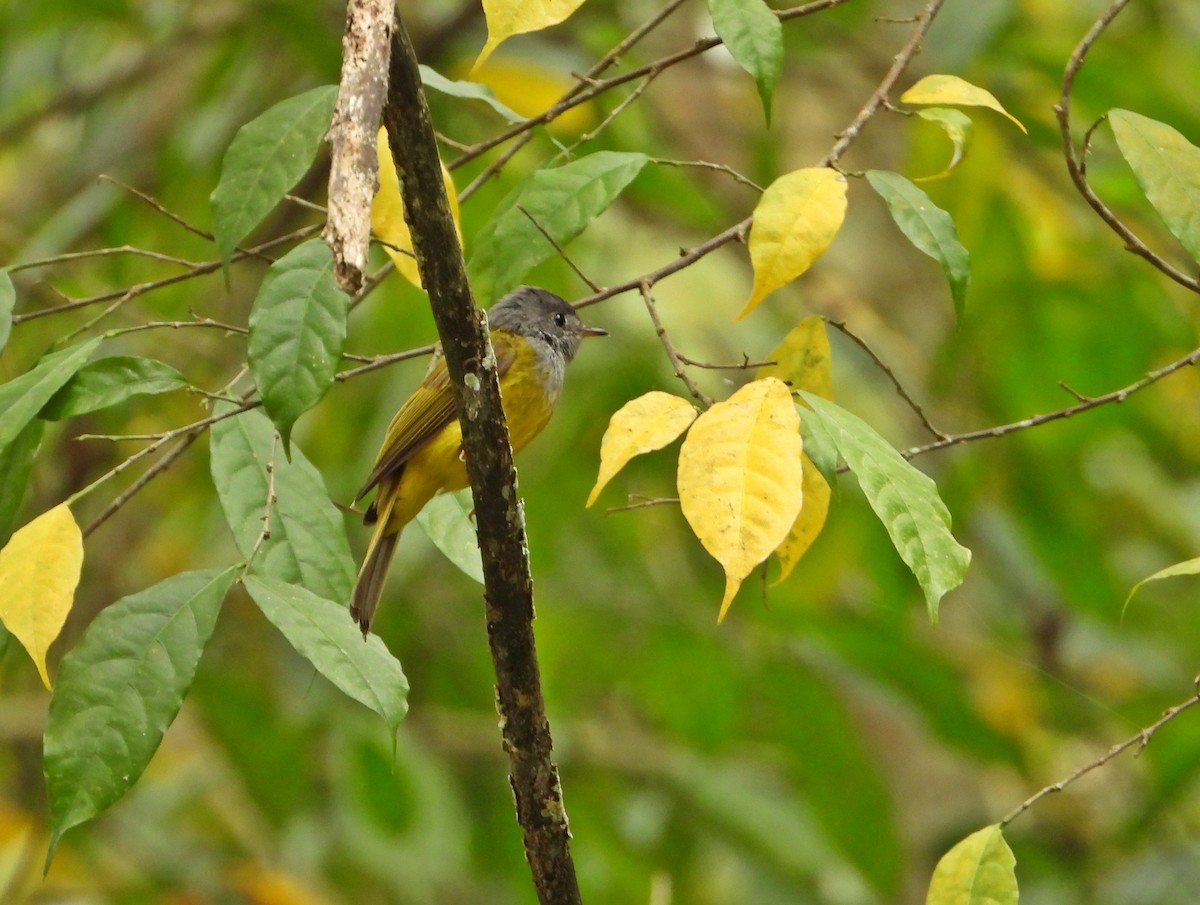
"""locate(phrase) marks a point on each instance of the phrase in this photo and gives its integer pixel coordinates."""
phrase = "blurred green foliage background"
(825, 744)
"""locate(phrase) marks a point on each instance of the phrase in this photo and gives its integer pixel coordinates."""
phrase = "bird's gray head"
(541, 315)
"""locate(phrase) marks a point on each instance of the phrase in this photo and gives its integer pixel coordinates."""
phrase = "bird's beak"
(587, 330)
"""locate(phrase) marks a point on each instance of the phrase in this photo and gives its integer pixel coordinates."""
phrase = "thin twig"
(102, 253)
(123, 295)
(558, 248)
(1076, 163)
(159, 206)
(879, 98)
(1140, 739)
(1089, 402)
(706, 165)
(669, 348)
(879, 363)
(744, 365)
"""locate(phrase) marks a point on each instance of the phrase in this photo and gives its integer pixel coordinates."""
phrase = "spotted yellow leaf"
(808, 523)
(387, 212)
(795, 220)
(39, 569)
(802, 359)
(641, 425)
(740, 484)
(506, 18)
(951, 91)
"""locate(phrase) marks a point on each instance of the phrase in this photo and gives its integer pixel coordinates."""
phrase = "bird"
(535, 334)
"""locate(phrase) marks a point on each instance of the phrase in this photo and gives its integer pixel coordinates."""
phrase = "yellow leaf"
(387, 212)
(641, 425)
(506, 18)
(802, 359)
(794, 222)
(950, 90)
(529, 88)
(740, 484)
(39, 569)
(808, 524)
(979, 870)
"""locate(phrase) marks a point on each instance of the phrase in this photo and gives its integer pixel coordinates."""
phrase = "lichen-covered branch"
(498, 514)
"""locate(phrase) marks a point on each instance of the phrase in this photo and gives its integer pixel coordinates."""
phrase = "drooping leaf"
(641, 425)
(808, 523)
(957, 126)
(740, 484)
(16, 462)
(324, 634)
(265, 159)
(446, 520)
(927, 227)
(951, 91)
(477, 91)
(754, 37)
(297, 330)
(121, 687)
(8, 301)
(23, 397)
(563, 200)
(905, 500)
(979, 870)
(1167, 167)
(506, 18)
(795, 220)
(109, 381)
(1187, 567)
(39, 569)
(387, 212)
(802, 360)
(307, 543)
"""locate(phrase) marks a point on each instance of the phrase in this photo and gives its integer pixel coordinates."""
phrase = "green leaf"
(23, 397)
(446, 520)
(109, 381)
(16, 462)
(819, 447)
(1167, 167)
(307, 544)
(266, 158)
(8, 300)
(754, 37)
(979, 870)
(563, 200)
(324, 634)
(905, 500)
(928, 227)
(297, 330)
(430, 78)
(1187, 567)
(957, 126)
(119, 689)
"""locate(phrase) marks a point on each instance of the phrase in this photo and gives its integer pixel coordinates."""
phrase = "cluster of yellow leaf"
(39, 571)
(745, 486)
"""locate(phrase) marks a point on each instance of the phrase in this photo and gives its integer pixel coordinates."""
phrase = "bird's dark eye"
(560, 319)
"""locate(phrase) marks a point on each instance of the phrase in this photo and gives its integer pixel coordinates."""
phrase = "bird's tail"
(371, 577)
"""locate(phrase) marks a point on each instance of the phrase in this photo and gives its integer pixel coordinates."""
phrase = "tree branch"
(501, 526)
(354, 167)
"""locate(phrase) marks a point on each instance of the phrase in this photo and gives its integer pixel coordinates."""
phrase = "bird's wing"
(425, 414)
